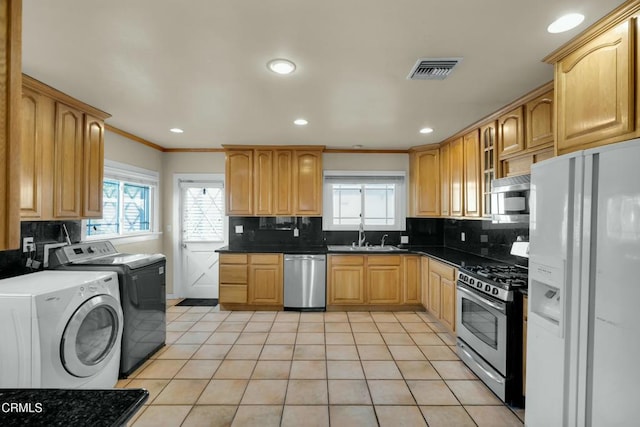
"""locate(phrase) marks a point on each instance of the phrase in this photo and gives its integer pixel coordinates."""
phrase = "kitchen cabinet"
(383, 279)
(307, 182)
(424, 182)
(265, 286)
(445, 180)
(345, 281)
(539, 121)
(411, 283)
(525, 305)
(595, 81)
(233, 278)
(456, 164)
(239, 182)
(442, 293)
(63, 161)
(521, 165)
(424, 281)
(511, 132)
(488, 164)
(472, 201)
(271, 181)
(10, 89)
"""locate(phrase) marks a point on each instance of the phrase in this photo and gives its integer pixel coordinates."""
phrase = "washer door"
(90, 336)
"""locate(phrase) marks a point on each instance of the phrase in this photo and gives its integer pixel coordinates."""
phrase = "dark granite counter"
(54, 407)
(452, 256)
(282, 249)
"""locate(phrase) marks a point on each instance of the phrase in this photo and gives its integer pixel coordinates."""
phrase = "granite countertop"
(57, 407)
(281, 249)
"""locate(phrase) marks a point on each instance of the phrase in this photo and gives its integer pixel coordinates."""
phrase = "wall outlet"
(463, 237)
(239, 229)
(404, 240)
(28, 245)
(296, 232)
(484, 238)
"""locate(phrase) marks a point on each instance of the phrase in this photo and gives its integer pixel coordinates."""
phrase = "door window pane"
(203, 214)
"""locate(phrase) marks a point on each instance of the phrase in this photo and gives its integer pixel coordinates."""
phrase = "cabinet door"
(68, 162)
(263, 186)
(239, 182)
(31, 179)
(307, 173)
(472, 174)
(511, 132)
(265, 284)
(411, 282)
(595, 87)
(539, 121)
(488, 164)
(383, 284)
(283, 183)
(448, 307)
(434, 293)
(445, 181)
(456, 153)
(425, 183)
(424, 281)
(93, 167)
(346, 280)
(10, 79)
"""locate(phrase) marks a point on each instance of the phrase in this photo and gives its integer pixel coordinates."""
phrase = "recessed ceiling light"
(281, 66)
(426, 130)
(565, 23)
(300, 122)
(176, 130)
(357, 146)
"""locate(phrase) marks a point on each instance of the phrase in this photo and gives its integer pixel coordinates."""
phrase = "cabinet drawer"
(233, 258)
(346, 259)
(443, 270)
(265, 259)
(233, 273)
(233, 294)
(383, 259)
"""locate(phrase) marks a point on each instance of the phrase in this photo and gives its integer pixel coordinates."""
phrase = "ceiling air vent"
(433, 68)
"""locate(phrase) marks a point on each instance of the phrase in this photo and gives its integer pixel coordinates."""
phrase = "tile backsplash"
(13, 263)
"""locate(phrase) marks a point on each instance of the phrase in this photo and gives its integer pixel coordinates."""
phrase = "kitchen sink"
(376, 248)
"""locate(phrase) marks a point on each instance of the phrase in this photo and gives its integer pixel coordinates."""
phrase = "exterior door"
(204, 229)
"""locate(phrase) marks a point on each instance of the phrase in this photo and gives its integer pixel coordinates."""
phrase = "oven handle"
(491, 375)
(478, 298)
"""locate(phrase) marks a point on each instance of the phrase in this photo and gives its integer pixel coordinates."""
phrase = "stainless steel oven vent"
(433, 68)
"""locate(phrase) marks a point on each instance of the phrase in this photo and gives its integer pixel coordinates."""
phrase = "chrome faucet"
(382, 240)
(361, 235)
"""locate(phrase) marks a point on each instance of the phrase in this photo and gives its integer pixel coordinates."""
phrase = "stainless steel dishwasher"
(304, 282)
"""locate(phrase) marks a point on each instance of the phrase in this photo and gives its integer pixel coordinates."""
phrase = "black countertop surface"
(55, 407)
(281, 249)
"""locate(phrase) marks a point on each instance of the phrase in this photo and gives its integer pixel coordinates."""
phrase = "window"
(128, 202)
(202, 212)
(375, 198)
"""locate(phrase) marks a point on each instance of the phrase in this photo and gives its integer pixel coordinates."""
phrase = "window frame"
(133, 175)
(399, 178)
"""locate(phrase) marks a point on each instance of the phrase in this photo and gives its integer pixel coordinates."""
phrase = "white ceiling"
(201, 65)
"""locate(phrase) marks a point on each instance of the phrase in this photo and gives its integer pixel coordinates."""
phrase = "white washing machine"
(60, 329)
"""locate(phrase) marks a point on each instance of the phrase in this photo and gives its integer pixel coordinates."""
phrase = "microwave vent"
(433, 68)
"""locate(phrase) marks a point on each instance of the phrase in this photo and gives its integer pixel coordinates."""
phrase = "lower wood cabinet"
(254, 279)
(411, 286)
(383, 279)
(345, 281)
(440, 285)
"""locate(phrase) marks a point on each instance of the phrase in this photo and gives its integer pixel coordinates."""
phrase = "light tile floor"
(223, 368)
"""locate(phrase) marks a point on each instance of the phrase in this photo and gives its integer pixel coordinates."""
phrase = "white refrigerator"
(583, 336)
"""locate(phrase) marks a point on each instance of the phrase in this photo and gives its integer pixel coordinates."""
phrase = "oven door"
(482, 324)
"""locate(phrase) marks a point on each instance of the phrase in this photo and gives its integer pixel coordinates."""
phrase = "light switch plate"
(296, 232)
(463, 237)
(404, 240)
(239, 229)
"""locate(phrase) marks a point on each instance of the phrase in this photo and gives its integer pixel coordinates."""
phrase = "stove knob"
(465, 279)
(472, 282)
(479, 285)
(494, 291)
(487, 288)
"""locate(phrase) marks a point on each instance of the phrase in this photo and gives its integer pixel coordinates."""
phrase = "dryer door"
(90, 336)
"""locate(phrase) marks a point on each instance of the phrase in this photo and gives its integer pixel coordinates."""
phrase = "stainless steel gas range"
(489, 326)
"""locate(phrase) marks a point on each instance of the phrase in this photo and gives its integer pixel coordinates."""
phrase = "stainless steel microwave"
(510, 199)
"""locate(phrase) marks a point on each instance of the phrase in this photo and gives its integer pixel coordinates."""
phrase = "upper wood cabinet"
(539, 121)
(63, 155)
(472, 201)
(424, 182)
(307, 182)
(239, 182)
(265, 181)
(10, 89)
(511, 132)
(456, 162)
(445, 180)
(595, 89)
(488, 164)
